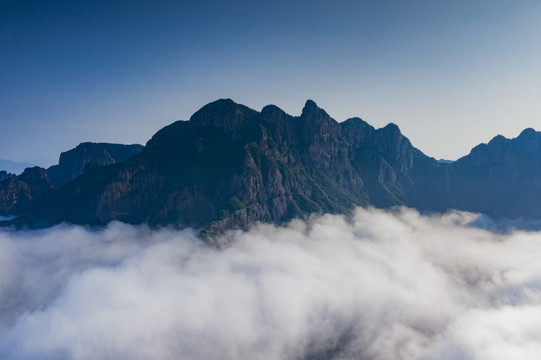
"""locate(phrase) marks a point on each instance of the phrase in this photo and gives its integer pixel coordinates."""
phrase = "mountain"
(17, 193)
(501, 177)
(230, 166)
(72, 163)
(13, 167)
(5, 175)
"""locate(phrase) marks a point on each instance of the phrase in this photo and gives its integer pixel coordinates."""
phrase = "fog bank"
(381, 285)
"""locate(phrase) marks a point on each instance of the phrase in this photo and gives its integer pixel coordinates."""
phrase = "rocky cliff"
(501, 177)
(73, 162)
(5, 175)
(230, 166)
(18, 192)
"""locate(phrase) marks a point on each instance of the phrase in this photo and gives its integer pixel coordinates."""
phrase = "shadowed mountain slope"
(18, 193)
(73, 162)
(230, 166)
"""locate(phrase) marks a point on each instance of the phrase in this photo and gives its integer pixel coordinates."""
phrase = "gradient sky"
(451, 74)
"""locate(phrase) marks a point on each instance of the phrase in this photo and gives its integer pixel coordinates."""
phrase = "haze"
(450, 74)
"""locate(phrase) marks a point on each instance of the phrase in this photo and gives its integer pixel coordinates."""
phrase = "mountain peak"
(271, 109)
(272, 113)
(33, 174)
(310, 107)
(529, 132)
(232, 166)
(498, 139)
(219, 105)
(312, 111)
(223, 113)
(310, 104)
(393, 128)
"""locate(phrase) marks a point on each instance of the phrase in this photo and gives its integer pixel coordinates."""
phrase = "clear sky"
(451, 74)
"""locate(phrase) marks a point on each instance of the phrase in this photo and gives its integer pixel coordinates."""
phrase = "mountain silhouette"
(230, 166)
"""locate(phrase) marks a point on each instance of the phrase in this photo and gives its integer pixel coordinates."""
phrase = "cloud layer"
(380, 285)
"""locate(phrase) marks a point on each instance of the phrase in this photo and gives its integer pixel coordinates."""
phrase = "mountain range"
(9, 166)
(230, 166)
(17, 193)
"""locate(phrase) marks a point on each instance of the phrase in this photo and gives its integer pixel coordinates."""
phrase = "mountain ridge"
(13, 167)
(72, 163)
(19, 192)
(230, 166)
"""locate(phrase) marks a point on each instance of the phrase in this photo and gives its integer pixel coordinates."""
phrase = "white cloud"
(381, 285)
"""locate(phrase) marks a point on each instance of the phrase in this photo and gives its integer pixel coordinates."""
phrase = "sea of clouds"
(378, 285)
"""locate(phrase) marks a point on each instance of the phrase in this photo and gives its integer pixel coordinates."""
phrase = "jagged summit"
(310, 105)
(312, 111)
(230, 166)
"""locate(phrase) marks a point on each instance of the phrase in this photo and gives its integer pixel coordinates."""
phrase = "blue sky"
(451, 74)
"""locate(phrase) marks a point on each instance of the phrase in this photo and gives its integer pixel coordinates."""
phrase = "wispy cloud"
(381, 285)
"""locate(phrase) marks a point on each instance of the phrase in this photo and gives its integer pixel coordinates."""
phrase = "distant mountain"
(13, 167)
(17, 193)
(502, 177)
(72, 163)
(230, 166)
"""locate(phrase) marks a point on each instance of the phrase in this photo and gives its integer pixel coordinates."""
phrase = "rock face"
(72, 163)
(4, 175)
(501, 177)
(18, 192)
(230, 166)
